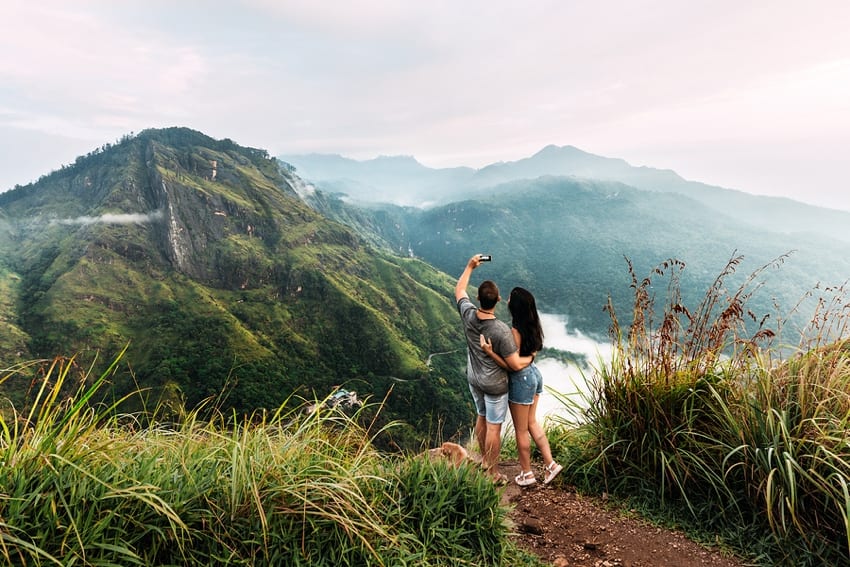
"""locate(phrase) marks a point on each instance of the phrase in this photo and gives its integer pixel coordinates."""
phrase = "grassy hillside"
(199, 255)
(85, 485)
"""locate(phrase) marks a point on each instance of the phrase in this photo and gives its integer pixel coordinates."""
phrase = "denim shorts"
(494, 408)
(524, 384)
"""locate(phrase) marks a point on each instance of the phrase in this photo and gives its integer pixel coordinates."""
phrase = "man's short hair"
(488, 294)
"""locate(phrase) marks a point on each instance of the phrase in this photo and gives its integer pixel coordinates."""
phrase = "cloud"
(658, 82)
(86, 72)
(133, 218)
(303, 189)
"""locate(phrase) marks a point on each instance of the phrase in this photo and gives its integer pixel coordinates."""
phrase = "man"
(488, 382)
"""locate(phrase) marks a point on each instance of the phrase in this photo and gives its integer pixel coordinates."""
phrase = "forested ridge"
(199, 255)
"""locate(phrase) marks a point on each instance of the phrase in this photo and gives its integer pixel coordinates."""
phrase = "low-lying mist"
(567, 379)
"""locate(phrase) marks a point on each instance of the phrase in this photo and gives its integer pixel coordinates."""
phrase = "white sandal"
(525, 478)
(552, 470)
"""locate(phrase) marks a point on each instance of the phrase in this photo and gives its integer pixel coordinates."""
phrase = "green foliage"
(82, 484)
(787, 452)
(454, 513)
(693, 416)
(13, 340)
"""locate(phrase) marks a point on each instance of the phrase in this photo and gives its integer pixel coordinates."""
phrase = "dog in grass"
(452, 452)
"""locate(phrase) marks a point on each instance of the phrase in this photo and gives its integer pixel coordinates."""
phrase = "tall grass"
(787, 452)
(697, 410)
(81, 484)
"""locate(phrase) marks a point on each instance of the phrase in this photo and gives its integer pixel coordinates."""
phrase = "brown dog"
(453, 452)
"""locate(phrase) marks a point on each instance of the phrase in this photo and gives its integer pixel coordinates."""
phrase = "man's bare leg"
(481, 435)
(492, 448)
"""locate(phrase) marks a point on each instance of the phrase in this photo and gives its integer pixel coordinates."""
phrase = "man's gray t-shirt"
(481, 370)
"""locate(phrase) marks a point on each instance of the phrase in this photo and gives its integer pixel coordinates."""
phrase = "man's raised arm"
(463, 280)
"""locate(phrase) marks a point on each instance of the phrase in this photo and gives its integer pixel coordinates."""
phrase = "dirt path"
(569, 530)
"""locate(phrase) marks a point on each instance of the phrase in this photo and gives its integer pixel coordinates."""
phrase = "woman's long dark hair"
(525, 319)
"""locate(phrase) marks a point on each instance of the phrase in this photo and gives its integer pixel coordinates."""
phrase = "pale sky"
(751, 95)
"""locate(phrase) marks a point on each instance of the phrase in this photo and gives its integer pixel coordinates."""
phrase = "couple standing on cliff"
(501, 374)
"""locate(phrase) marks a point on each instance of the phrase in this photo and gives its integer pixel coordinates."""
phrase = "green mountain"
(199, 254)
(567, 239)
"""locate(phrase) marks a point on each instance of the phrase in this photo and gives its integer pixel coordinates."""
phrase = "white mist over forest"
(566, 379)
(113, 218)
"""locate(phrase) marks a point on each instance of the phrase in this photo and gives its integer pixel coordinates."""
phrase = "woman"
(525, 385)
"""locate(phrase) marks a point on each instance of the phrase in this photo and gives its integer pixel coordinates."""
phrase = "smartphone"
(485, 258)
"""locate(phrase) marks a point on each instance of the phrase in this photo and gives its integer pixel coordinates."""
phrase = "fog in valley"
(566, 380)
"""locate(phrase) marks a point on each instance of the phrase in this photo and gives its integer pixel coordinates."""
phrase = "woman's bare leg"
(519, 415)
(537, 433)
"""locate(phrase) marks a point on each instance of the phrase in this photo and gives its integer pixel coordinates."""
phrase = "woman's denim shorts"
(524, 384)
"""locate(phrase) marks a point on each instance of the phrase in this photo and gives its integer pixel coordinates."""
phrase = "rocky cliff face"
(216, 207)
(191, 197)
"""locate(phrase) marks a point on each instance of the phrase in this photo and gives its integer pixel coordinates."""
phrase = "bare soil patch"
(566, 529)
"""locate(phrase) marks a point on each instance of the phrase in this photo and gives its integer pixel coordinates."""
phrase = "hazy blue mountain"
(361, 180)
(199, 254)
(399, 179)
(555, 160)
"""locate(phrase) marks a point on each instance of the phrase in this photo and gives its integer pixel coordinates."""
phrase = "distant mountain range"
(401, 180)
(563, 221)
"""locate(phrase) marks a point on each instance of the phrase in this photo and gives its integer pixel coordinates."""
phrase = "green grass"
(81, 484)
(698, 419)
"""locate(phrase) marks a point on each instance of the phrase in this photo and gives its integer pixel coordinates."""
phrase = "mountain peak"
(397, 159)
(178, 134)
(397, 162)
(574, 156)
(554, 150)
